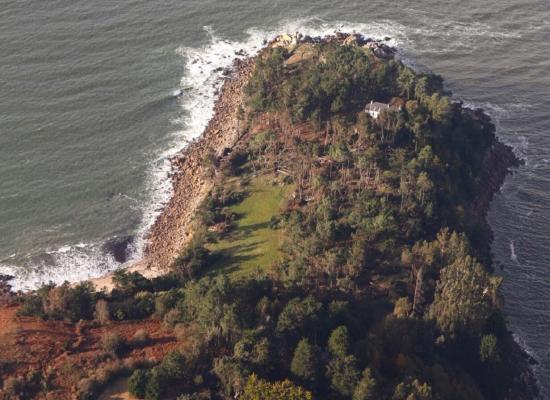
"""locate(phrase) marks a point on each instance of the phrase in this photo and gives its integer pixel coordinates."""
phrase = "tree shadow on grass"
(230, 259)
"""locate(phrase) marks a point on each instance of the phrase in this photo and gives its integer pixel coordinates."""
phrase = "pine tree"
(304, 363)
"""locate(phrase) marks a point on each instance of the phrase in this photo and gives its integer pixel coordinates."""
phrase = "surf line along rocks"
(192, 179)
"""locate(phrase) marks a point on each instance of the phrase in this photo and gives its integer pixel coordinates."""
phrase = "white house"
(374, 108)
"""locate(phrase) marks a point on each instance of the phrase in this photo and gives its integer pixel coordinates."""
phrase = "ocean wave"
(67, 263)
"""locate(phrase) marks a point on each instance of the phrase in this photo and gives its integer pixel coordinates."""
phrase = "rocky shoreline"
(192, 178)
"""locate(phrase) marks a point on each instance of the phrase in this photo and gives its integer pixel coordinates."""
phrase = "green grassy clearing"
(252, 243)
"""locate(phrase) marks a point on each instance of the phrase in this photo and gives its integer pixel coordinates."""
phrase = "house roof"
(375, 106)
(379, 107)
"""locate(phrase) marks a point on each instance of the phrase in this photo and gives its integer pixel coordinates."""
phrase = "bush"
(488, 349)
(402, 308)
(165, 301)
(102, 313)
(61, 302)
(137, 383)
(144, 304)
(155, 385)
(171, 318)
(192, 259)
(64, 302)
(140, 338)
(173, 366)
(31, 307)
(129, 283)
(113, 343)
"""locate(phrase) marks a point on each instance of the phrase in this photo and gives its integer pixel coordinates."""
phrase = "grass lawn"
(252, 243)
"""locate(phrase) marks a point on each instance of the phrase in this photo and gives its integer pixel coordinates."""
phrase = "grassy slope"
(252, 243)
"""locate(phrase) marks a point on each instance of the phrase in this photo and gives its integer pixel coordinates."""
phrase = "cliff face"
(192, 179)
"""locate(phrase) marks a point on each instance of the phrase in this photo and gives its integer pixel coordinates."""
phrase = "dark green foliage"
(193, 258)
(464, 297)
(338, 342)
(304, 362)
(155, 387)
(61, 302)
(488, 349)
(32, 306)
(298, 315)
(344, 374)
(413, 389)
(137, 383)
(366, 387)
(129, 283)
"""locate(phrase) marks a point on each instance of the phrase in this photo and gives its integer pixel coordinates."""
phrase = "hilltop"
(327, 239)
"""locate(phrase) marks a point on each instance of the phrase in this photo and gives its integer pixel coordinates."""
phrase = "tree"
(344, 374)
(304, 362)
(406, 81)
(338, 342)
(173, 366)
(155, 385)
(137, 383)
(412, 390)
(232, 374)
(259, 389)
(464, 296)
(366, 387)
(297, 314)
(402, 308)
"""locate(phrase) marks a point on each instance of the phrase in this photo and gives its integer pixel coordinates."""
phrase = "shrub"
(144, 304)
(140, 338)
(180, 332)
(488, 349)
(193, 258)
(31, 307)
(171, 318)
(402, 308)
(113, 343)
(173, 366)
(344, 374)
(102, 313)
(129, 283)
(366, 387)
(155, 385)
(137, 383)
(260, 389)
(165, 301)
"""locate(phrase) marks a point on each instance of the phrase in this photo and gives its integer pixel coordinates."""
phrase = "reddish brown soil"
(69, 351)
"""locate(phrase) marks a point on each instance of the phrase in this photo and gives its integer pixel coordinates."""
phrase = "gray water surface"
(88, 118)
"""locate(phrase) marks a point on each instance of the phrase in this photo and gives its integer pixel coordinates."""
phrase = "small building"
(374, 108)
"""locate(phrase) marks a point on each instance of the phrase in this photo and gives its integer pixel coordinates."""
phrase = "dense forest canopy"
(380, 285)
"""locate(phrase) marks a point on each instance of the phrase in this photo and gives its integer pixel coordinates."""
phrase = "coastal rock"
(119, 247)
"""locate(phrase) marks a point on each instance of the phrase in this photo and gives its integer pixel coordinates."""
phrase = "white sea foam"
(68, 263)
(513, 255)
